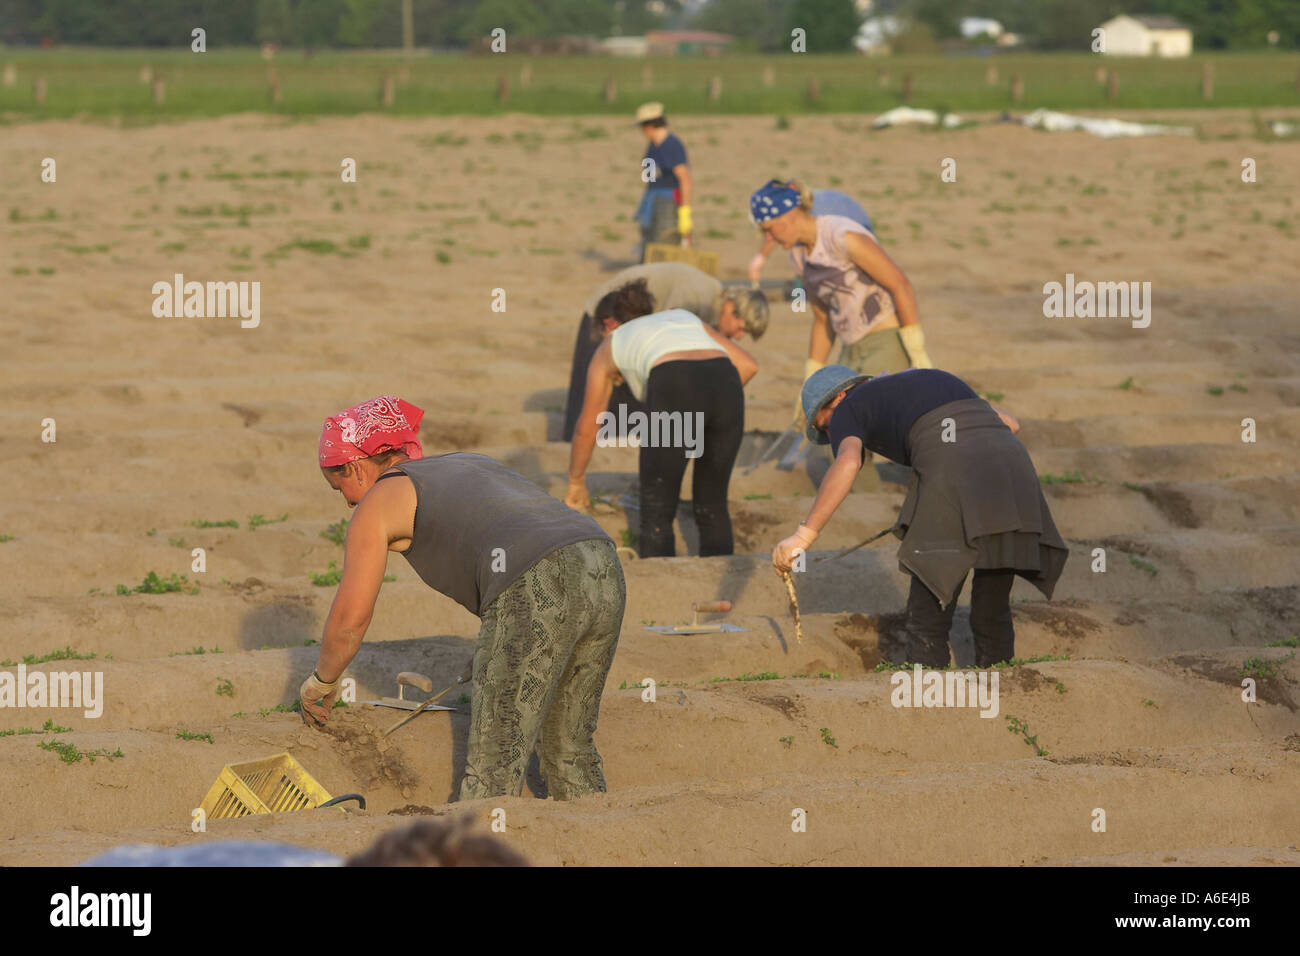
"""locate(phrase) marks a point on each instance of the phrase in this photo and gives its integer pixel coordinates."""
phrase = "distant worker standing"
(665, 207)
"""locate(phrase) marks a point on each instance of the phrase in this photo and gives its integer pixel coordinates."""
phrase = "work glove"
(317, 699)
(913, 341)
(783, 555)
(684, 224)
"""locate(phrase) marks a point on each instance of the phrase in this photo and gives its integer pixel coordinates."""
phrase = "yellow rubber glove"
(913, 340)
(684, 224)
(809, 366)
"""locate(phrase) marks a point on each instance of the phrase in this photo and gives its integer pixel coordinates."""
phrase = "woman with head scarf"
(974, 502)
(690, 378)
(857, 293)
(825, 202)
(546, 583)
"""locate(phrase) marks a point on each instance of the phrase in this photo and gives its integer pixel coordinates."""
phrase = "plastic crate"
(276, 784)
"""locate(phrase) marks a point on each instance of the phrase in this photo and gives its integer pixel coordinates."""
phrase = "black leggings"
(711, 386)
(990, 620)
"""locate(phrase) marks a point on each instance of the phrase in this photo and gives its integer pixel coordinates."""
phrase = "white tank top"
(635, 346)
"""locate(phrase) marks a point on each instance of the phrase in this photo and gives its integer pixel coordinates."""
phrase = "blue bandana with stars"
(772, 200)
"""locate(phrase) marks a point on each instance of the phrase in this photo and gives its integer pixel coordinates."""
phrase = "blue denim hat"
(822, 386)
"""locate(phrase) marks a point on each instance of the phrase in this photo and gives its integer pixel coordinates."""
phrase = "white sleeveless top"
(635, 346)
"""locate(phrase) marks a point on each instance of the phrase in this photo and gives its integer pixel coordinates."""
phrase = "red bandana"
(381, 424)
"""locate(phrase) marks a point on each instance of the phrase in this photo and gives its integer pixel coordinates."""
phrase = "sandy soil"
(164, 421)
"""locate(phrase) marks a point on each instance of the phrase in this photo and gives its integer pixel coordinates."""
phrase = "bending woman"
(546, 583)
(857, 292)
(974, 501)
(689, 376)
(825, 202)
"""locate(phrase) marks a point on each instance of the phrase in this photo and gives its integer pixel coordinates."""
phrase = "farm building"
(1146, 36)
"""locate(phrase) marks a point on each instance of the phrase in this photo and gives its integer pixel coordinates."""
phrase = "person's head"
(435, 843)
(360, 443)
(652, 121)
(822, 394)
(743, 312)
(627, 302)
(783, 210)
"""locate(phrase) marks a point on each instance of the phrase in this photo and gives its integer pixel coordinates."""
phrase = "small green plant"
(443, 256)
(1021, 727)
(203, 523)
(336, 532)
(49, 727)
(69, 753)
(464, 698)
(153, 584)
(1260, 668)
(225, 688)
(1149, 702)
(197, 650)
(1131, 486)
(828, 739)
(1238, 387)
(764, 675)
(192, 735)
(256, 521)
(994, 396)
(281, 708)
(176, 542)
(629, 538)
(788, 741)
(1214, 389)
(1069, 478)
(766, 497)
(151, 532)
(1126, 384)
(1141, 565)
(783, 122)
(1060, 688)
(61, 654)
(327, 578)
(1292, 641)
(828, 675)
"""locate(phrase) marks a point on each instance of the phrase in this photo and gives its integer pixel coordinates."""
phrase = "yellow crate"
(276, 784)
(664, 252)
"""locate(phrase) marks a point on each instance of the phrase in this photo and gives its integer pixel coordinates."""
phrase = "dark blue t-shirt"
(667, 156)
(883, 410)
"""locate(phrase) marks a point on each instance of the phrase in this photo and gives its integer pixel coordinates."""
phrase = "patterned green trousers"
(543, 654)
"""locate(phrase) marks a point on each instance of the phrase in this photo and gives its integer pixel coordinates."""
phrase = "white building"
(1146, 36)
(980, 26)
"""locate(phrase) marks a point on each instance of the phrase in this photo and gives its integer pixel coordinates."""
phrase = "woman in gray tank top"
(546, 583)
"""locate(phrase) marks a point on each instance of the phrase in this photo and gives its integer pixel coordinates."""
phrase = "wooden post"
(814, 90)
(388, 94)
(38, 90)
(159, 90)
(273, 77)
(408, 28)
(1017, 89)
(1112, 85)
(991, 75)
(715, 89)
(1207, 81)
(769, 77)
(525, 76)
(882, 78)
(611, 89)
(1101, 75)
(907, 87)
(503, 88)
(647, 77)
(11, 74)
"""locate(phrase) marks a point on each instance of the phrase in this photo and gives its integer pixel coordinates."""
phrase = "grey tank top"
(479, 526)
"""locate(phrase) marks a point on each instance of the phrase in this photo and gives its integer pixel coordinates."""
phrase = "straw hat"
(649, 112)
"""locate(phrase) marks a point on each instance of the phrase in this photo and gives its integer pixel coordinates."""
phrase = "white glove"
(913, 341)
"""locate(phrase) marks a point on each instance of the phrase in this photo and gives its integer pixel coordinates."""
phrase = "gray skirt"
(974, 502)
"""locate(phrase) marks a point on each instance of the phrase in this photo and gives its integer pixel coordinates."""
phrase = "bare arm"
(600, 385)
(871, 258)
(1007, 418)
(836, 484)
(684, 182)
(820, 337)
(745, 363)
(365, 556)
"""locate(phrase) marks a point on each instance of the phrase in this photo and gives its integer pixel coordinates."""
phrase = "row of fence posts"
(393, 78)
